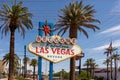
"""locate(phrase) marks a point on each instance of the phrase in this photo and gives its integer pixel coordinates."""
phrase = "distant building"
(102, 72)
(29, 72)
(2, 67)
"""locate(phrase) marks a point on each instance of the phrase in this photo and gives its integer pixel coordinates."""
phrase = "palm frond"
(79, 15)
(91, 26)
(15, 16)
(62, 31)
(84, 32)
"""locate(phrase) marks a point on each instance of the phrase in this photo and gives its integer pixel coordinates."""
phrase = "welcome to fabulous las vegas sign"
(54, 48)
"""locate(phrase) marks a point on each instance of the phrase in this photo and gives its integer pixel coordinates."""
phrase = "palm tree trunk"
(107, 72)
(72, 34)
(111, 67)
(115, 69)
(93, 71)
(79, 65)
(11, 63)
(107, 68)
(72, 68)
(87, 72)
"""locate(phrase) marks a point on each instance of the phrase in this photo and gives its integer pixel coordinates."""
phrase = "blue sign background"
(41, 24)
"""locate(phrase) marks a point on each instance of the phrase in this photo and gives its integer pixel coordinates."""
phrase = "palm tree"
(87, 64)
(14, 17)
(6, 59)
(27, 59)
(34, 63)
(107, 63)
(94, 65)
(115, 57)
(110, 51)
(76, 17)
(90, 63)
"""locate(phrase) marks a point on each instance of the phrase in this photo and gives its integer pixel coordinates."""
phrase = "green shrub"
(21, 78)
(84, 76)
(99, 78)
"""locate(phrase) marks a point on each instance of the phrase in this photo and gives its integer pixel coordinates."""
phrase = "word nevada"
(56, 39)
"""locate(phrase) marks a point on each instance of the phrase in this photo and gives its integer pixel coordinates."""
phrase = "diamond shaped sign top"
(55, 48)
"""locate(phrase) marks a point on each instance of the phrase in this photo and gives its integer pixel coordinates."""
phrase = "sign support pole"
(51, 63)
(40, 68)
(39, 58)
(51, 71)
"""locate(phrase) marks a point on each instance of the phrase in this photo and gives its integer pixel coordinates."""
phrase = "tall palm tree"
(110, 51)
(76, 17)
(14, 17)
(34, 63)
(115, 57)
(93, 65)
(107, 63)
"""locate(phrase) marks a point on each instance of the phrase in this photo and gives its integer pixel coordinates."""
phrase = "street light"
(25, 64)
(78, 57)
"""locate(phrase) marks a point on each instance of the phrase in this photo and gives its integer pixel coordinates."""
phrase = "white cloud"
(103, 47)
(116, 43)
(100, 60)
(112, 31)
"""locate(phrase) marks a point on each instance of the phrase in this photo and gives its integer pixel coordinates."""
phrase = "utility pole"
(25, 65)
(80, 62)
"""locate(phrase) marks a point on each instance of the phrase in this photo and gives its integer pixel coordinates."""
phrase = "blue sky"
(107, 11)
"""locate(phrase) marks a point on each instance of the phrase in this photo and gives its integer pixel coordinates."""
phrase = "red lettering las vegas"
(42, 50)
(61, 51)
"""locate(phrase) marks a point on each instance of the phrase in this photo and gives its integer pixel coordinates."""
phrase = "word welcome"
(56, 40)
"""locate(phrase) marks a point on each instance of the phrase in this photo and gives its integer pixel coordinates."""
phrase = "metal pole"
(80, 65)
(80, 62)
(25, 65)
(40, 33)
(51, 64)
(51, 71)
(40, 68)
